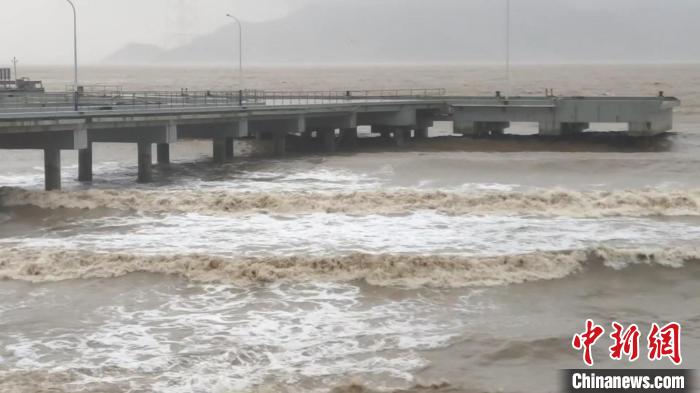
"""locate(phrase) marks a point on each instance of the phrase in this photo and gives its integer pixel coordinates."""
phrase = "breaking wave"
(633, 203)
(41, 265)
(435, 388)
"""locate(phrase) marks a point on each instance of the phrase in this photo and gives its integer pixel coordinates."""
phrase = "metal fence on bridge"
(114, 98)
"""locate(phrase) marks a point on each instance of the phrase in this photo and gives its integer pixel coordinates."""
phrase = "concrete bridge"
(49, 123)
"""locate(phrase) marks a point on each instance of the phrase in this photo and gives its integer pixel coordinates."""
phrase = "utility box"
(5, 74)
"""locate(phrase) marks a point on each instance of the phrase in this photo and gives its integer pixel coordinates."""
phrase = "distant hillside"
(415, 31)
(136, 53)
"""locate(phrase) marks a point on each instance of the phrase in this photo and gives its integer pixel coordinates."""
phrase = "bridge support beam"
(144, 137)
(400, 135)
(279, 141)
(85, 164)
(219, 149)
(348, 138)
(660, 124)
(327, 136)
(573, 128)
(420, 133)
(51, 142)
(550, 128)
(145, 152)
(52, 169)
(230, 148)
(481, 128)
(163, 153)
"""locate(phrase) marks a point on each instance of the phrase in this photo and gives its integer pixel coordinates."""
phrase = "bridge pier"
(656, 124)
(85, 164)
(400, 134)
(51, 142)
(145, 152)
(230, 144)
(219, 149)
(348, 138)
(327, 136)
(144, 137)
(279, 142)
(420, 133)
(52, 169)
(163, 153)
(573, 128)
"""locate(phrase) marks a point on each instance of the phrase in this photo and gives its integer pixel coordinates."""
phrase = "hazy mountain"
(140, 53)
(414, 31)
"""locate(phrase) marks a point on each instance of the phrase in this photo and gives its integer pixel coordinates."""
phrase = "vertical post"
(14, 64)
(508, 78)
(163, 153)
(240, 51)
(421, 133)
(85, 164)
(145, 162)
(399, 136)
(328, 137)
(52, 169)
(349, 137)
(219, 150)
(229, 148)
(280, 143)
(75, 56)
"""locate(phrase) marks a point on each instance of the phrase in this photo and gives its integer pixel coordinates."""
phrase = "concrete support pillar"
(328, 138)
(145, 162)
(219, 149)
(400, 136)
(85, 164)
(279, 141)
(550, 128)
(348, 137)
(466, 128)
(163, 153)
(573, 128)
(648, 128)
(229, 148)
(52, 169)
(421, 133)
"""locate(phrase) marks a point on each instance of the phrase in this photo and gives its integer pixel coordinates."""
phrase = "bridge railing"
(113, 98)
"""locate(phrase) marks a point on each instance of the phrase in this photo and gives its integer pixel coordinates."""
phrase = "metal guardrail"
(101, 97)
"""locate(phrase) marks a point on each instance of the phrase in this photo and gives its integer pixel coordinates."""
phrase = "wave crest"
(541, 203)
(36, 265)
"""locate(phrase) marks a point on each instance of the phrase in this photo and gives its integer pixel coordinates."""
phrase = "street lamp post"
(508, 76)
(75, 56)
(240, 50)
(14, 64)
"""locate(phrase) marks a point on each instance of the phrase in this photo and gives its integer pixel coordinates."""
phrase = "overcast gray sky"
(40, 31)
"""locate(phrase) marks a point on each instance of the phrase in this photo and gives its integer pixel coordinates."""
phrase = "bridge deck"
(49, 122)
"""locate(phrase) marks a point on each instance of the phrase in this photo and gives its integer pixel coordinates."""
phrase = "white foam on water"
(216, 336)
(424, 232)
(319, 180)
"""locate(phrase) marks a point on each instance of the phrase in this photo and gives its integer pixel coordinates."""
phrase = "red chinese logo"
(626, 342)
(665, 342)
(587, 340)
(662, 342)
